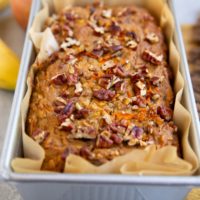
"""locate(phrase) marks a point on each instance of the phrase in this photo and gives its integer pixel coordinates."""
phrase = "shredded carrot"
(129, 94)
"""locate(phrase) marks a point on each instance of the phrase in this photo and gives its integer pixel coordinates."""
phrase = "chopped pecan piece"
(156, 80)
(59, 79)
(72, 79)
(115, 48)
(133, 36)
(155, 97)
(139, 101)
(69, 42)
(117, 128)
(165, 113)
(107, 13)
(152, 57)
(39, 135)
(152, 37)
(84, 132)
(119, 71)
(104, 81)
(81, 114)
(60, 101)
(96, 28)
(113, 81)
(108, 64)
(107, 118)
(114, 28)
(78, 87)
(116, 138)
(104, 95)
(132, 44)
(85, 152)
(103, 141)
(136, 77)
(97, 53)
(67, 125)
(140, 85)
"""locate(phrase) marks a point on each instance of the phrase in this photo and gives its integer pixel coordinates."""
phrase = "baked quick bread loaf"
(106, 91)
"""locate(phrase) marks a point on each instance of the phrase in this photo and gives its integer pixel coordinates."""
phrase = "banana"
(3, 4)
(9, 66)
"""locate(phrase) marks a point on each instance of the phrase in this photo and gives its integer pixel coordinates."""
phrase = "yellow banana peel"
(9, 66)
(3, 4)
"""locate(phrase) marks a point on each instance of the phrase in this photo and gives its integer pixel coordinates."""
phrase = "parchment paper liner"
(149, 161)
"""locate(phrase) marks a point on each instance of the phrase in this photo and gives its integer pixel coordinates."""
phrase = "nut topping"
(59, 79)
(155, 97)
(103, 94)
(69, 42)
(67, 125)
(107, 13)
(39, 136)
(156, 80)
(113, 81)
(60, 100)
(140, 85)
(132, 44)
(107, 118)
(103, 141)
(152, 57)
(78, 87)
(108, 64)
(165, 113)
(152, 37)
(97, 29)
(84, 132)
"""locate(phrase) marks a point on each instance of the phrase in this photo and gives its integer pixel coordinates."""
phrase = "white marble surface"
(187, 10)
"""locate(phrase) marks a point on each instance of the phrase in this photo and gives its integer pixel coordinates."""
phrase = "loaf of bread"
(107, 89)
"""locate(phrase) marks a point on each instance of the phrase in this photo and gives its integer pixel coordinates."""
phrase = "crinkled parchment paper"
(149, 161)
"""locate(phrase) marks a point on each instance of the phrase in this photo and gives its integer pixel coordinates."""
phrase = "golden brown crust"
(106, 91)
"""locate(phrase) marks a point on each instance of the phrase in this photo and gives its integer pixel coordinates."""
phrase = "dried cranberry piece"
(116, 139)
(104, 94)
(81, 114)
(165, 113)
(103, 142)
(137, 132)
